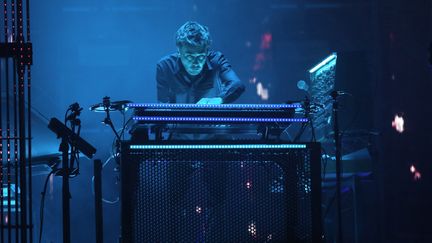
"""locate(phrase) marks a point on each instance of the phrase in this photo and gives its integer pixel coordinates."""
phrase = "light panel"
(217, 119)
(219, 146)
(216, 106)
(324, 62)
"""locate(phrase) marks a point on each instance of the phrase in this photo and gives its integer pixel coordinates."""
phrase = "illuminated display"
(217, 119)
(220, 146)
(225, 106)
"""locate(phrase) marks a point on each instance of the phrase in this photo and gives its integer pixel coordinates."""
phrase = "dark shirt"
(217, 79)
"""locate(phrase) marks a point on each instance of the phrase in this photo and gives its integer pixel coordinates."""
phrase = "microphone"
(74, 107)
(302, 85)
(76, 111)
(106, 102)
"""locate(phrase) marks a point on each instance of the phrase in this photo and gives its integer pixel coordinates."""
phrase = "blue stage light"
(219, 146)
(218, 119)
(216, 106)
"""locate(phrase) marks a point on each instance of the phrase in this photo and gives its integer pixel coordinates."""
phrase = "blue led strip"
(221, 146)
(218, 119)
(223, 106)
(5, 203)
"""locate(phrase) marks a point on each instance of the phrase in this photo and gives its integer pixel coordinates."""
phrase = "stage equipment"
(338, 155)
(241, 121)
(218, 189)
(74, 139)
(350, 75)
(111, 106)
(98, 200)
(267, 192)
(16, 55)
(107, 106)
(322, 91)
(71, 143)
(226, 113)
(322, 83)
(341, 117)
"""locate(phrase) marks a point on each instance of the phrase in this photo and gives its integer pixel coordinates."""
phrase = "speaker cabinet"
(197, 191)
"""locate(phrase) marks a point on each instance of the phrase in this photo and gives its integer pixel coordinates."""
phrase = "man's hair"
(193, 34)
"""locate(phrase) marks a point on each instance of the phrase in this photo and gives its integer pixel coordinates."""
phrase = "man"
(196, 74)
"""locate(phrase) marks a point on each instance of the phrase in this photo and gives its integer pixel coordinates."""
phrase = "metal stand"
(338, 147)
(69, 137)
(309, 108)
(107, 106)
(64, 148)
(98, 200)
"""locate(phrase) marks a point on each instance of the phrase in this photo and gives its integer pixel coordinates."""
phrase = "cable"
(66, 115)
(122, 132)
(41, 210)
(75, 155)
(114, 153)
(313, 138)
(324, 162)
(125, 123)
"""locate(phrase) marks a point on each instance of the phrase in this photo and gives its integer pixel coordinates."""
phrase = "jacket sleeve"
(231, 85)
(163, 88)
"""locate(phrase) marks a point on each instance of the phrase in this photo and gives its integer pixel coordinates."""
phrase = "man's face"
(193, 59)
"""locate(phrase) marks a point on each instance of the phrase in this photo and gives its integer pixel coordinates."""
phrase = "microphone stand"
(107, 120)
(338, 146)
(72, 140)
(64, 148)
(308, 113)
(308, 110)
(65, 172)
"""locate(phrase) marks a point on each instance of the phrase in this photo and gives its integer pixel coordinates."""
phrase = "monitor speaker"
(220, 192)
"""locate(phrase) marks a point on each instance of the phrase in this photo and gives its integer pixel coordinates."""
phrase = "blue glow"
(5, 203)
(221, 146)
(218, 119)
(225, 106)
(324, 62)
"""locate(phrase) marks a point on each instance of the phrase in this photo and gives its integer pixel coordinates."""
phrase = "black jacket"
(217, 79)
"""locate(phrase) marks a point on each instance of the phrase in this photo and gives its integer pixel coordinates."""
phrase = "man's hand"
(210, 101)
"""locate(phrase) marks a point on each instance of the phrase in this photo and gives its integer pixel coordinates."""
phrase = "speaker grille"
(220, 195)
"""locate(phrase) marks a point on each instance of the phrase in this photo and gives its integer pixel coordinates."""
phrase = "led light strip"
(220, 146)
(324, 62)
(218, 119)
(226, 106)
(5, 203)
